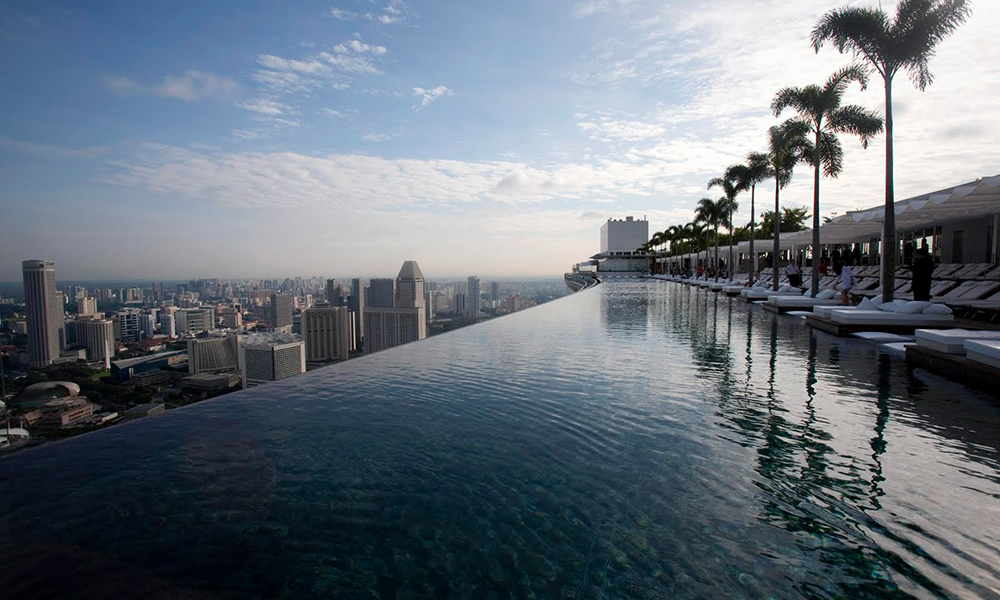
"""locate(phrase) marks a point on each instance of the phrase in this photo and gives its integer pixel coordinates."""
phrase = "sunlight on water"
(636, 440)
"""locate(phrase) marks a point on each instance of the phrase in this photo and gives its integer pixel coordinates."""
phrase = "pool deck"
(955, 366)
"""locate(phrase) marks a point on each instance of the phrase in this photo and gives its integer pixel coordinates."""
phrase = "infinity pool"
(635, 440)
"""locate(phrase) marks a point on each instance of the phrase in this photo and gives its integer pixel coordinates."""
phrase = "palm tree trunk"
(730, 270)
(889, 223)
(814, 287)
(777, 236)
(753, 257)
(716, 253)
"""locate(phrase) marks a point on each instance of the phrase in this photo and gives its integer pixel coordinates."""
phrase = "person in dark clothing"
(923, 267)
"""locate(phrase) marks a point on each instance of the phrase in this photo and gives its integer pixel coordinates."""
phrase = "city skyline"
(372, 132)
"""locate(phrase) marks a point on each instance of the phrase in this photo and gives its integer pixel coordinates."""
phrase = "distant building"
(123, 370)
(194, 320)
(333, 296)
(514, 303)
(458, 305)
(389, 327)
(232, 319)
(147, 325)
(127, 325)
(143, 410)
(167, 326)
(99, 337)
(382, 292)
(356, 305)
(494, 292)
(619, 241)
(410, 286)
(428, 306)
(64, 412)
(213, 355)
(86, 306)
(281, 312)
(43, 310)
(327, 333)
(474, 299)
(268, 357)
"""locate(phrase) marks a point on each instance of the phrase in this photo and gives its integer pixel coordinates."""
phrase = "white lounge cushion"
(784, 288)
(826, 294)
(951, 341)
(867, 304)
(877, 300)
(883, 337)
(824, 311)
(784, 301)
(915, 307)
(986, 352)
(881, 317)
(937, 309)
(896, 306)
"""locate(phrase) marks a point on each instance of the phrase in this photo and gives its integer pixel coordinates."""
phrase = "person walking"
(923, 267)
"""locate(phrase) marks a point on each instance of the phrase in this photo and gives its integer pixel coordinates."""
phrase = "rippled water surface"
(636, 440)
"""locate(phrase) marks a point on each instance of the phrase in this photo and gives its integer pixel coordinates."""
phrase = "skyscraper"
(268, 357)
(383, 292)
(86, 306)
(43, 311)
(167, 325)
(473, 301)
(494, 292)
(327, 333)
(357, 306)
(410, 286)
(386, 327)
(281, 312)
(147, 325)
(333, 292)
(100, 335)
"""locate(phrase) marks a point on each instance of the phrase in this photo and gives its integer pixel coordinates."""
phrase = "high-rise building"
(86, 306)
(458, 306)
(127, 325)
(157, 291)
(410, 286)
(147, 325)
(327, 333)
(100, 339)
(333, 296)
(382, 292)
(494, 292)
(357, 307)
(389, 327)
(281, 312)
(514, 303)
(43, 311)
(428, 306)
(474, 299)
(268, 357)
(167, 325)
(213, 355)
(194, 320)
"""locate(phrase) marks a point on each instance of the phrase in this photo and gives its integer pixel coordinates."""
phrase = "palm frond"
(856, 120)
(831, 154)
(861, 31)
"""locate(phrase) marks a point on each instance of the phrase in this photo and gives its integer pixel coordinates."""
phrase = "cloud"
(334, 70)
(191, 86)
(339, 114)
(430, 95)
(591, 7)
(377, 137)
(37, 148)
(610, 129)
(343, 15)
(264, 107)
(359, 47)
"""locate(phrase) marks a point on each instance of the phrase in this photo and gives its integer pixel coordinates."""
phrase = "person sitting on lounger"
(845, 283)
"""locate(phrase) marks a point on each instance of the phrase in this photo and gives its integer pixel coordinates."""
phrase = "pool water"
(636, 440)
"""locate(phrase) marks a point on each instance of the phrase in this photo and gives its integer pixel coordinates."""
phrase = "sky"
(259, 139)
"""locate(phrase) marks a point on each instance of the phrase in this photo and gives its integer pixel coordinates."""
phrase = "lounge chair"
(783, 302)
(985, 352)
(951, 341)
(973, 271)
(875, 318)
(785, 290)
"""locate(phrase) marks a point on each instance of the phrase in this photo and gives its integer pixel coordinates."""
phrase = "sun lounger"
(985, 352)
(946, 270)
(782, 301)
(881, 317)
(951, 341)
(765, 294)
(959, 292)
(972, 271)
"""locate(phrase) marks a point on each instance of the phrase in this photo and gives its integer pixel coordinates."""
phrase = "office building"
(458, 306)
(157, 291)
(410, 286)
(265, 357)
(356, 305)
(194, 320)
(86, 306)
(494, 293)
(327, 333)
(127, 325)
(147, 325)
(167, 325)
(428, 306)
(98, 336)
(213, 355)
(389, 327)
(474, 299)
(232, 319)
(43, 311)
(333, 295)
(281, 313)
(382, 292)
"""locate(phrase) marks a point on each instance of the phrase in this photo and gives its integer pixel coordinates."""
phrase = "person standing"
(794, 273)
(923, 267)
(845, 283)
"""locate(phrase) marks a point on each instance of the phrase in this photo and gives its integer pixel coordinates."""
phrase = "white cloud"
(377, 137)
(334, 113)
(430, 95)
(343, 15)
(359, 47)
(264, 106)
(191, 86)
(322, 70)
(395, 11)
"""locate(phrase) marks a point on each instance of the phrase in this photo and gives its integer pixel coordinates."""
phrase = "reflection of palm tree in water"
(878, 442)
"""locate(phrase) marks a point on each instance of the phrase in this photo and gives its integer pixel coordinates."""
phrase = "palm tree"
(712, 213)
(907, 42)
(787, 145)
(757, 169)
(729, 206)
(821, 107)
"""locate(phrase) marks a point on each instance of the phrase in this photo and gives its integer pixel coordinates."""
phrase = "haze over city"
(177, 140)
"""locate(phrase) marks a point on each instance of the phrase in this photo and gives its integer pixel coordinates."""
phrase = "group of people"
(922, 268)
